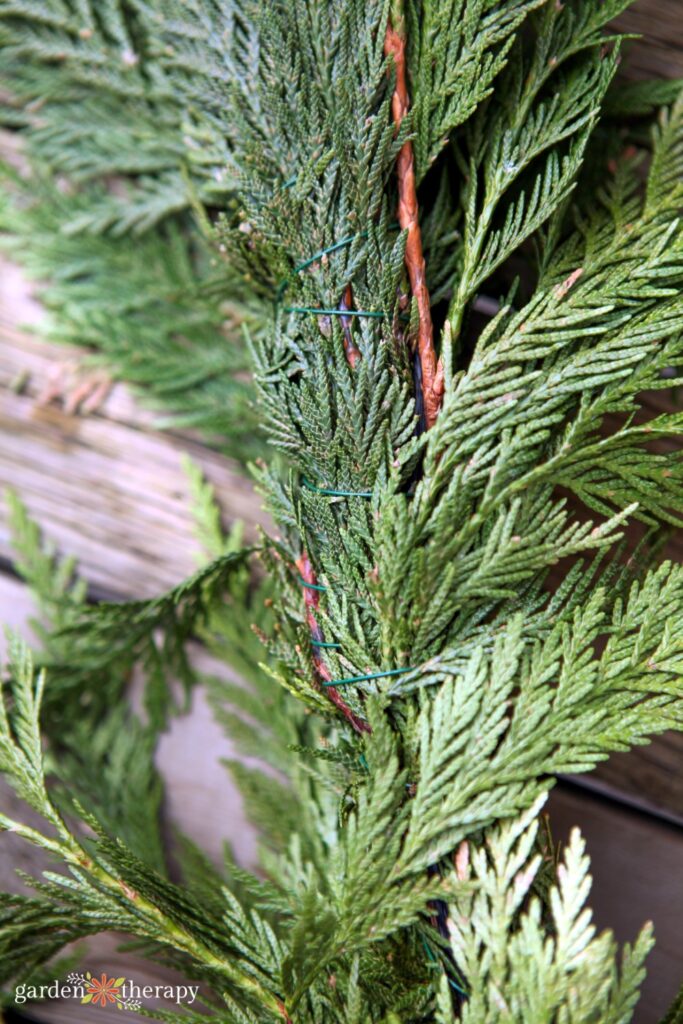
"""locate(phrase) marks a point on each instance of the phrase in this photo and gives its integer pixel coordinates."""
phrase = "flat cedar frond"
(496, 936)
(445, 239)
(150, 311)
(111, 637)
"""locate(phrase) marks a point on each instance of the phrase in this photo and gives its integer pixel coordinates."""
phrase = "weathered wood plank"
(649, 778)
(659, 51)
(105, 486)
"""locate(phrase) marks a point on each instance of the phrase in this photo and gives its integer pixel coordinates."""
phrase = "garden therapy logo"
(103, 991)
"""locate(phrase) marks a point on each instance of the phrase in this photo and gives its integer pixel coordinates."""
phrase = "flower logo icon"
(103, 990)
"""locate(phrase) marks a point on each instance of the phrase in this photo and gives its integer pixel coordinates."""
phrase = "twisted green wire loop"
(328, 491)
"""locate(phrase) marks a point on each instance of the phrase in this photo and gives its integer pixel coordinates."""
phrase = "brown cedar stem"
(350, 347)
(432, 371)
(312, 601)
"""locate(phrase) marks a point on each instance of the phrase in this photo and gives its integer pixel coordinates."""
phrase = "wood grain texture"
(649, 778)
(658, 53)
(106, 486)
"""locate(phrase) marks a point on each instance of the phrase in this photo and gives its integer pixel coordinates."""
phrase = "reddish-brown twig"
(312, 600)
(283, 1011)
(432, 370)
(303, 564)
(350, 347)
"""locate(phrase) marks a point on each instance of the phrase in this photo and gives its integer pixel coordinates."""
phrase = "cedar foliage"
(448, 614)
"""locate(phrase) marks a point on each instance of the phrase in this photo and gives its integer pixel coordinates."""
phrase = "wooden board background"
(658, 52)
(108, 488)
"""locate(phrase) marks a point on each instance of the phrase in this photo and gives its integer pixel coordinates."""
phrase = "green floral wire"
(335, 247)
(311, 586)
(330, 492)
(371, 675)
(430, 953)
(351, 680)
(330, 249)
(313, 310)
(282, 287)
